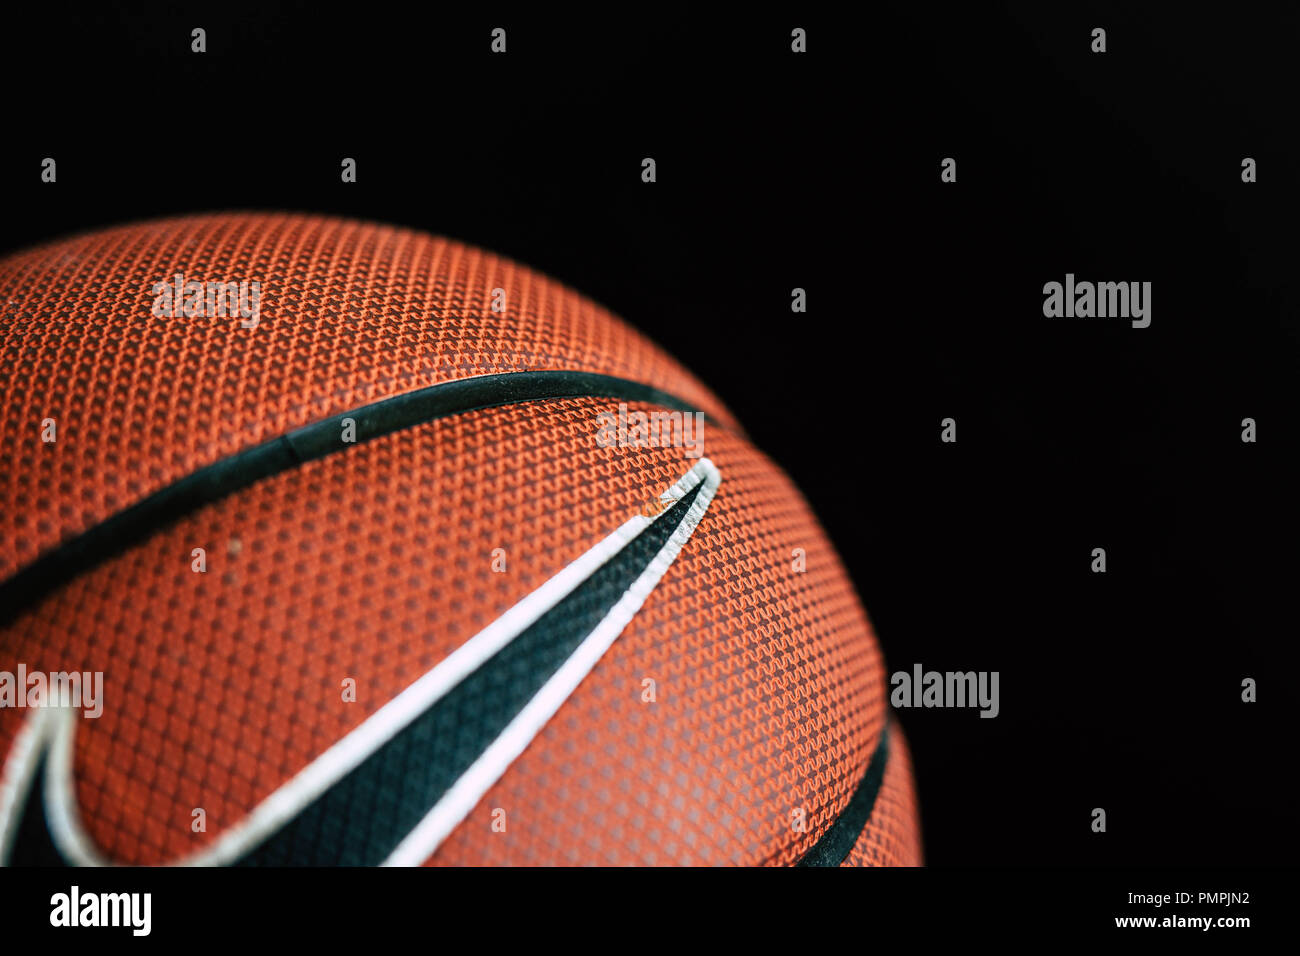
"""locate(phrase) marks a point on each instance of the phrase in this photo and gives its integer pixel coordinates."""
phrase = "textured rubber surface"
(123, 528)
(350, 313)
(376, 563)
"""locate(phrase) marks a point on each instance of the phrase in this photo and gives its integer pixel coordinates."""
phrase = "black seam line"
(840, 836)
(213, 482)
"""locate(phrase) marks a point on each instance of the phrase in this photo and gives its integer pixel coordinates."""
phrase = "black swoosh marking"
(362, 817)
(33, 845)
(213, 482)
(838, 840)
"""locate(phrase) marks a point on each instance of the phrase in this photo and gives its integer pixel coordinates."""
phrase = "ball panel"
(349, 314)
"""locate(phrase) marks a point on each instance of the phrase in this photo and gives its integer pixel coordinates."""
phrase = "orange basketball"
(324, 542)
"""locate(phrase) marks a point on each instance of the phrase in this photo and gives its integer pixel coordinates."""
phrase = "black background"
(821, 171)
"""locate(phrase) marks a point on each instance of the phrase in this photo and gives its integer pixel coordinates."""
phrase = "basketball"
(325, 542)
